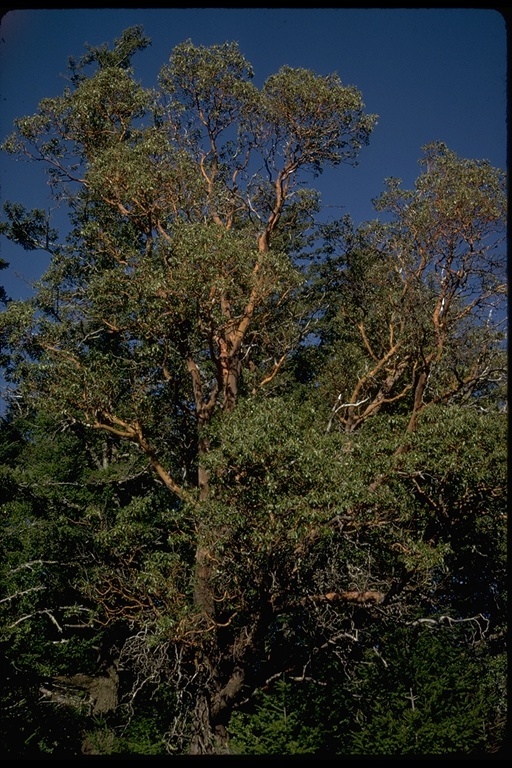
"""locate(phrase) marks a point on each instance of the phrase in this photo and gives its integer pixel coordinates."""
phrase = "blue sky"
(430, 74)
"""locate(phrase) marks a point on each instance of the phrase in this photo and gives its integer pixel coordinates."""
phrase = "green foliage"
(315, 115)
(427, 694)
(278, 726)
(130, 41)
(416, 690)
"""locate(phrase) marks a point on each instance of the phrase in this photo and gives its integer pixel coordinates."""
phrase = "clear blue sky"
(430, 74)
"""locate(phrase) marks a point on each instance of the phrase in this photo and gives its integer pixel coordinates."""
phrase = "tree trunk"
(208, 738)
(214, 699)
(214, 705)
(203, 739)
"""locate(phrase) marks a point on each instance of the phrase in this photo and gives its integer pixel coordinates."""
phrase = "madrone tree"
(275, 473)
(174, 292)
(416, 301)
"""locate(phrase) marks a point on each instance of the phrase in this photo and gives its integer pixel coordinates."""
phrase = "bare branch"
(21, 594)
